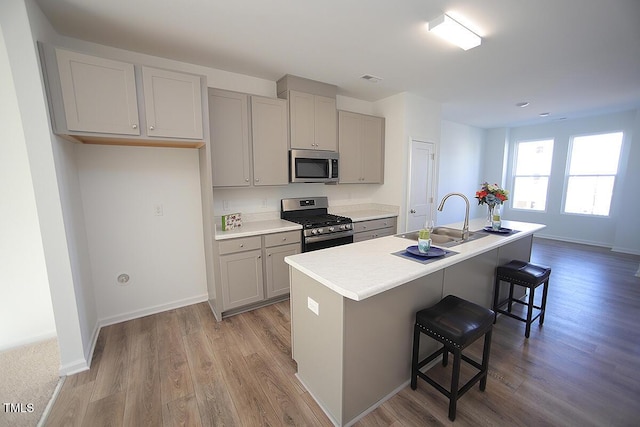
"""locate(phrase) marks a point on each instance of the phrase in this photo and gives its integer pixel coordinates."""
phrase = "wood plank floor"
(182, 368)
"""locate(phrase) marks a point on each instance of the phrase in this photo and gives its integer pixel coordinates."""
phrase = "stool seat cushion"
(524, 273)
(458, 321)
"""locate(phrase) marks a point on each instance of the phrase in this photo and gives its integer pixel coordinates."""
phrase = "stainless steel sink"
(443, 236)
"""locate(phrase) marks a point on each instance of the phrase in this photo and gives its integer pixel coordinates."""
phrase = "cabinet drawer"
(359, 237)
(374, 224)
(277, 239)
(239, 245)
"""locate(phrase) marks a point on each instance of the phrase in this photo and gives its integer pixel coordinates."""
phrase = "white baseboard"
(625, 250)
(74, 367)
(366, 411)
(151, 310)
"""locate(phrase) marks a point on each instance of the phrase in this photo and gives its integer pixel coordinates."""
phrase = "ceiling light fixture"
(454, 32)
(522, 104)
(544, 114)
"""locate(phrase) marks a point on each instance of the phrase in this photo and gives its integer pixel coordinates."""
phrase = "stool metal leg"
(510, 296)
(445, 356)
(455, 376)
(414, 358)
(543, 306)
(529, 311)
(485, 359)
(496, 296)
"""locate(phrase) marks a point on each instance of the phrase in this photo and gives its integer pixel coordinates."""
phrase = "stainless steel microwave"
(313, 166)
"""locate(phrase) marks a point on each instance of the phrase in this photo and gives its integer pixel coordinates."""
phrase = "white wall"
(627, 237)
(163, 255)
(26, 312)
(622, 222)
(407, 116)
(461, 170)
(22, 23)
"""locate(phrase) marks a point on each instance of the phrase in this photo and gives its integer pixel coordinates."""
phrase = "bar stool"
(456, 324)
(529, 276)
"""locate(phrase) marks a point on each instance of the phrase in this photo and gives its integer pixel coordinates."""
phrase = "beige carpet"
(28, 379)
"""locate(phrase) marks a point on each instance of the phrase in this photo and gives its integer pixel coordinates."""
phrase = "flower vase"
(490, 208)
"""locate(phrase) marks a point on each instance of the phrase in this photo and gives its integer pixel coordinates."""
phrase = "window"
(531, 174)
(593, 165)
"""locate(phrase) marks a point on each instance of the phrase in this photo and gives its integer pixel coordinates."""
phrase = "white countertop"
(361, 270)
(367, 214)
(254, 228)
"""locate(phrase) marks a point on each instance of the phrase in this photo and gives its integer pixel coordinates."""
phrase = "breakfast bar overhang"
(353, 309)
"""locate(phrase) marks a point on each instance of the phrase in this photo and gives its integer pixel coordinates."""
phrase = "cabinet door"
(269, 141)
(278, 270)
(325, 130)
(99, 95)
(372, 149)
(241, 275)
(229, 124)
(173, 104)
(302, 120)
(349, 128)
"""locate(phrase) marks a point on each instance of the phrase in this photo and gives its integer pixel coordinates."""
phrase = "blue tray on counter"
(413, 254)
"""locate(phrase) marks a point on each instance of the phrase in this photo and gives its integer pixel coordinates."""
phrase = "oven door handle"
(322, 238)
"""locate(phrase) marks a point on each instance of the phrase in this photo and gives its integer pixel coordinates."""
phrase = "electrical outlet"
(158, 209)
(313, 306)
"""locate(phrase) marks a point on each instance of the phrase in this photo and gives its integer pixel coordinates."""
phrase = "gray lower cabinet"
(241, 277)
(372, 229)
(277, 271)
(252, 270)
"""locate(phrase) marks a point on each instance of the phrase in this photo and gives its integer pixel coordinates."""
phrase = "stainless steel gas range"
(320, 229)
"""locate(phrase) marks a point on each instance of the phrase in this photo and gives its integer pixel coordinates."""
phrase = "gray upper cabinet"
(229, 124)
(99, 94)
(99, 100)
(269, 141)
(361, 146)
(173, 104)
(248, 139)
(313, 121)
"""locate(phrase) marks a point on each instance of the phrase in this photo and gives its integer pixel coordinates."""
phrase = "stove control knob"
(314, 231)
(347, 226)
(331, 228)
(343, 227)
(320, 230)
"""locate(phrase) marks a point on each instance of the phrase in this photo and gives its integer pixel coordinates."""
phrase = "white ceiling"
(570, 58)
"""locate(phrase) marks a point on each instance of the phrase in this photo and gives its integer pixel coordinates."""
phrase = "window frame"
(514, 175)
(567, 175)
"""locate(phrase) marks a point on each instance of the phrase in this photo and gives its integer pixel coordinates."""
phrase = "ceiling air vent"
(371, 79)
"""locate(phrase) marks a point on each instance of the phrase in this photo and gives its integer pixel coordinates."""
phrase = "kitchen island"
(353, 309)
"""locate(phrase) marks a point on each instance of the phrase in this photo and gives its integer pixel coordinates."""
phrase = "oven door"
(314, 243)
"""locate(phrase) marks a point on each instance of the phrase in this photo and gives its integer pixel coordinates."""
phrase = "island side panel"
(317, 341)
(378, 342)
(472, 279)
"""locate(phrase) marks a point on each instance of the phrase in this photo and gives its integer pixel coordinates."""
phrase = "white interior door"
(421, 185)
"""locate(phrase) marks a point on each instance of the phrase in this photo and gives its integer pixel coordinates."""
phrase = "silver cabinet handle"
(242, 245)
(151, 128)
(135, 126)
(257, 179)
(284, 239)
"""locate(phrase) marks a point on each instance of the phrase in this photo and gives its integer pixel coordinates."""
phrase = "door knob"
(412, 211)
